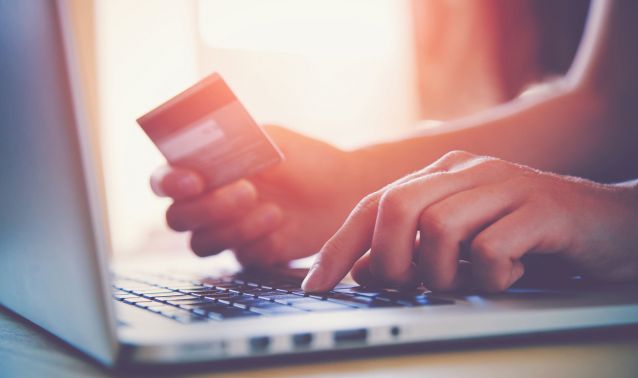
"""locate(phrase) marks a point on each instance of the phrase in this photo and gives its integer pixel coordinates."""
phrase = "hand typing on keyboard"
(469, 220)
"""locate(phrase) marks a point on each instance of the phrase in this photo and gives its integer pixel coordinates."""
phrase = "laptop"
(54, 249)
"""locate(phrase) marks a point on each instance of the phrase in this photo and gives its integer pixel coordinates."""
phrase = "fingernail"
(313, 280)
(188, 185)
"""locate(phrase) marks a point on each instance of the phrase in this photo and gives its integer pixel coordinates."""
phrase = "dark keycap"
(151, 304)
(230, 312)
(175, 297)
(203, 303)
(151, 290)
(291, 298)
(431, 301)
(162, 294)
(273, 294)
(170, 310)
(193, 301)
(360, 291)
(255, 291)
(135, 300)
(228, 286)
(189, 318)
(228, 298)
(156, 307)
(124, 296)
(250, 302)
(209, 293)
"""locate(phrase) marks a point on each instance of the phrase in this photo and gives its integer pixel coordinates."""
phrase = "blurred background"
(347, 72)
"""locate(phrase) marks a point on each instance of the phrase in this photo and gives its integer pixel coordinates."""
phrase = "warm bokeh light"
(340, 71)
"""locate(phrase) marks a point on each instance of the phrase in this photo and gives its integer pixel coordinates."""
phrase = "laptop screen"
(49, 271)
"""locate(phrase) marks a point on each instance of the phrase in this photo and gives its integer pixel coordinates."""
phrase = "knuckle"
(457, 155)
(393, 203)
(486, 249)
(490, 163)
(434, 223)
(369, 202)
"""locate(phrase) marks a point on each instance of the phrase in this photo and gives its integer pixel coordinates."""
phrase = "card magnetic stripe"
(187, 107)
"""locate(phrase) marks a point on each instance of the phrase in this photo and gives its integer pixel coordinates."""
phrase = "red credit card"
(205, 128)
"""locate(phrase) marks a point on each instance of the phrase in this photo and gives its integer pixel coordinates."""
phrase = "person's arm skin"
(583, 124)
(468, 221)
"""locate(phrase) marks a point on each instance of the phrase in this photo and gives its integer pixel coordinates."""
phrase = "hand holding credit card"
(207, 129)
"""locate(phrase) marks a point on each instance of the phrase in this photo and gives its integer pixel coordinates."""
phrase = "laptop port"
(260, 343)
(350, 335)
(302, 339)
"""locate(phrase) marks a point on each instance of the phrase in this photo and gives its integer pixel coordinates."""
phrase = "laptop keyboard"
(190, 300)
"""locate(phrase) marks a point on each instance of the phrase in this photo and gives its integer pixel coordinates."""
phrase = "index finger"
(342, 250)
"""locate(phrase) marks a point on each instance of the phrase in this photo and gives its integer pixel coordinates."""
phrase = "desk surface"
(25, 351)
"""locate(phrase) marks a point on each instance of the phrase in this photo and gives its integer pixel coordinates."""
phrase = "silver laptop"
(54, 269)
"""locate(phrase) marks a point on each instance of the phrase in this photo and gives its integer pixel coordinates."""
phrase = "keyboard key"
(226, 298)
(124, 296)
(208, 293)
(136, 300)
(152, 290)
(150, 304)
(230, 312)
(255, 291)
(273, 294)
(289, 298)
(247, 302)
(162, 294)
(175, 297)
(193, 301)
(359, 291)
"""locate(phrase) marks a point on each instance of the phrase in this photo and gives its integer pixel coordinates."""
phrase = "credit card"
(205, 128)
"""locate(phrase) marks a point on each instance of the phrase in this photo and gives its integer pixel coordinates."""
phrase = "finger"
(256, 224)
(361, 272)
(177, 183)
(398, 218)
(355, 236)
(447, 225)
(213, 208)
(496, 251)
(341, 251)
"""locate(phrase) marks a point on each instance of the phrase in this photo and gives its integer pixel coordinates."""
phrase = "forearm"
(586, 126)
(570, 131)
